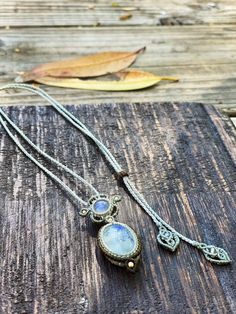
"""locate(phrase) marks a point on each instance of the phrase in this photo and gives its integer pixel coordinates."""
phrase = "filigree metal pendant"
(118, 241)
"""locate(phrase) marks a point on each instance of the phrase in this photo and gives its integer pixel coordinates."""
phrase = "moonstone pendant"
(118, 242)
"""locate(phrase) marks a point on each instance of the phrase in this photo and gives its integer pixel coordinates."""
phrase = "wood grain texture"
(102, 12)
(181, 157)
(201, 56)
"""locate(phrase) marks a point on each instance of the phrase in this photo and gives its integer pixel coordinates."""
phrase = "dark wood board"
(180, 156)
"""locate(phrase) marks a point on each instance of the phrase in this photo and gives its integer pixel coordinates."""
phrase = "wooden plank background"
(182, 158)
(105, 13)
(193, 40)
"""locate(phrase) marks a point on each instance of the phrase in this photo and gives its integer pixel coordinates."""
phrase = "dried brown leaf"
(89, 66)
(133, 74)
(130, 80)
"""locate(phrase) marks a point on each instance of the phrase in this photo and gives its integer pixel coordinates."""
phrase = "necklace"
(119, 242)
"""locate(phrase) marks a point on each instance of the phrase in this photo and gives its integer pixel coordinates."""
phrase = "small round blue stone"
(119, 239)
(101, 206)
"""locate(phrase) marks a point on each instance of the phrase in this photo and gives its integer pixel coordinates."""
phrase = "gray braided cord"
(70, 117)
(48, 172)
(40, 151)
(157, 219)
(108, 155)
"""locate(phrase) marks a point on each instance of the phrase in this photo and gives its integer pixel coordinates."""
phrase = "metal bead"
(131, 264)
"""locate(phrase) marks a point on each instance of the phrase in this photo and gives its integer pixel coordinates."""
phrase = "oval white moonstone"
(119, 239)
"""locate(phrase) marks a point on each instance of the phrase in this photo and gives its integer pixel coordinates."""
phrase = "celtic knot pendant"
(119, 242)
(168, 239)
(214, 254)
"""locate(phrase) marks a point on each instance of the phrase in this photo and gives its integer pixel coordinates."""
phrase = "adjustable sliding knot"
(121, 174)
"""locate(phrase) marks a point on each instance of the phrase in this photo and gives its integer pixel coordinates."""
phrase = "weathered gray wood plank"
(203, 57)
(181, 157)
(77, 13)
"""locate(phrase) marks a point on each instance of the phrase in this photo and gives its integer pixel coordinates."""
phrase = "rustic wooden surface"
(193, 40)
(184, 153)
(149, 12)
(181, 157)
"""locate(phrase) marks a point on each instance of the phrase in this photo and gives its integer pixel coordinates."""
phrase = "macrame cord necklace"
(119, 242)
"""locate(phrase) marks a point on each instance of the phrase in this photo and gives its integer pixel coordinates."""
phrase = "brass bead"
(131, 264)
(109, 219)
